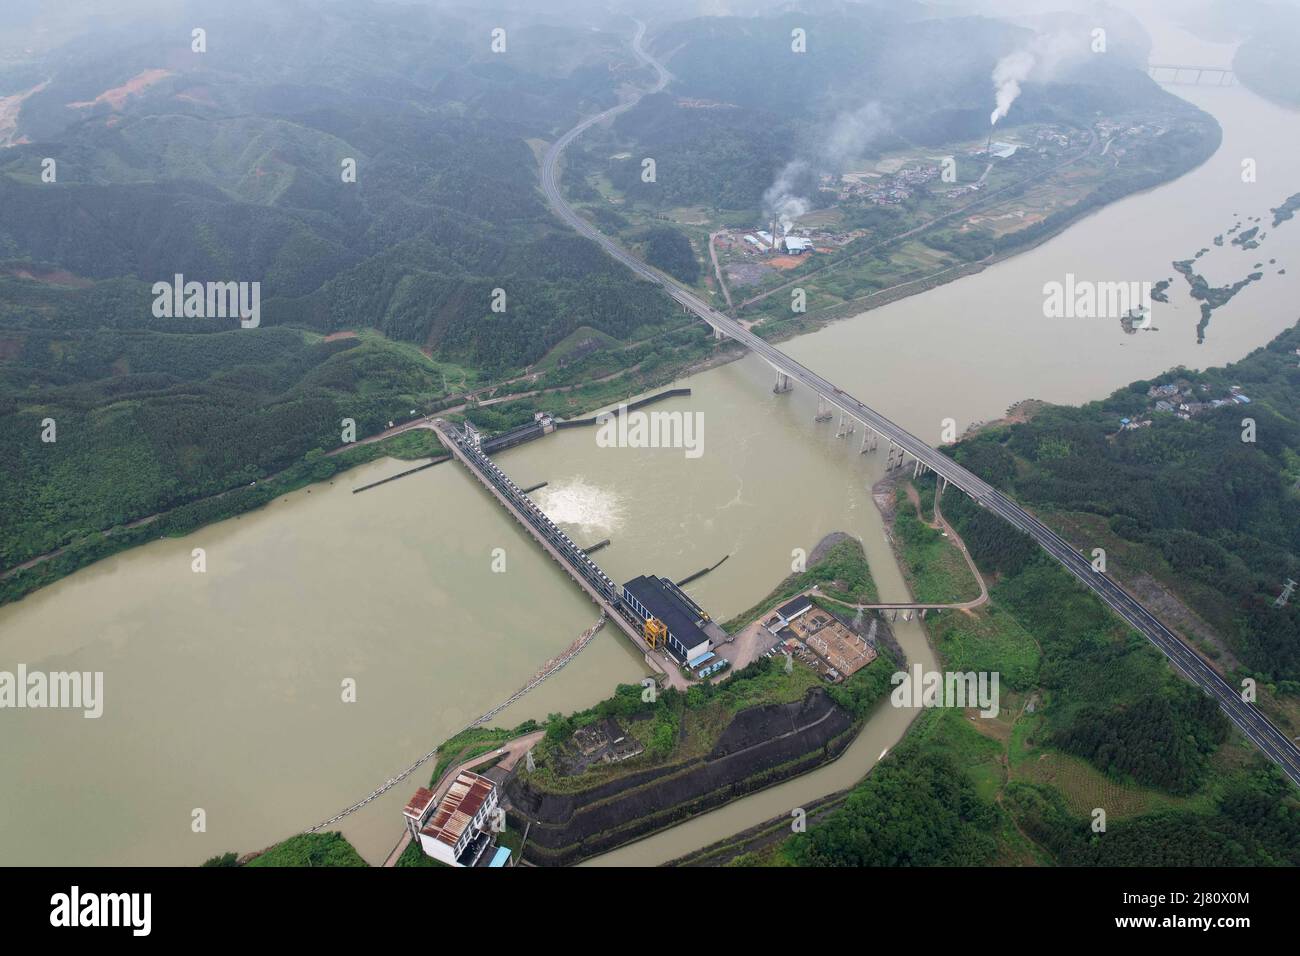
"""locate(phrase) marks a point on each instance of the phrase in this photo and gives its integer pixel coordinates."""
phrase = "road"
(509, 753)
(1246, 716)
(717, 270)
(559, 546)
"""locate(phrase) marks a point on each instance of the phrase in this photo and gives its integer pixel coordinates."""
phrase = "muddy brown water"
(223, 689)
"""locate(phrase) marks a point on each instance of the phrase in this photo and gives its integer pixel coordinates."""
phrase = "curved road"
(1251, 721)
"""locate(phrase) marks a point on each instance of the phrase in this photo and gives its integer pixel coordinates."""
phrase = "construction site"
(818, 639)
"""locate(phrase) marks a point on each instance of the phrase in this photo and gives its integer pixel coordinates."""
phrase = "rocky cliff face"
(761, 746)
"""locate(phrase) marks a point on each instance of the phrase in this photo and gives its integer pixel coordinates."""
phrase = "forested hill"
(229, 165)
(873, 77)
(1210, 504)
(1267, 34)
(1102, 754)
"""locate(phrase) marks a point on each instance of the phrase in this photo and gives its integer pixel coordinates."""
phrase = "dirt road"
(511, 752)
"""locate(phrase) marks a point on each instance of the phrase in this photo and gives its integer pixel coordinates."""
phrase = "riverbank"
(386, 586)
(315, 469)
(766, 724)
(831, 570)
(507, 410)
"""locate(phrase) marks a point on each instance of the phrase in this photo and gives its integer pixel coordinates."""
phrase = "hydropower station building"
(671, 619)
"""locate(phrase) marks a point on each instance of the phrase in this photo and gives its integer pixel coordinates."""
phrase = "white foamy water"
(576, 503)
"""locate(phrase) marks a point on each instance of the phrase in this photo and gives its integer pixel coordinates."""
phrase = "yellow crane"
(655, 632)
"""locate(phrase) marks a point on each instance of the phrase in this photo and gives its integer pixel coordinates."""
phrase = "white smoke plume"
(1042, 57)
(852, 133)
(1012, 70)
(848, 137)
(781, 201)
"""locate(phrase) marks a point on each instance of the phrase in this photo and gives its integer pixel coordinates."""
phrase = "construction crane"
(655, 632)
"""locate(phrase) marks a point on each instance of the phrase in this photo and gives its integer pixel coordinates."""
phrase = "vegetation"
(310, 849)
(964, 792)
(1265, 61)
(1212, 516)
(937, 572)
(1254, 822)
(841, 572)
(1161, 741)
(154, 414)
(471, 743)
(920, 806)
(668, 249)
(676, 727)
(414, 855)
(240, 181)
(1094, 717)
(185, 518)
(985, 640)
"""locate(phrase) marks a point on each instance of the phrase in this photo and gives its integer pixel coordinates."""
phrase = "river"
(223, 689)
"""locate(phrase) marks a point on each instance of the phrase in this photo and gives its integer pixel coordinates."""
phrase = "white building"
(797, 245)
(455, 830)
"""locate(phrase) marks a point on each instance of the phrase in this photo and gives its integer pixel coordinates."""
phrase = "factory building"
(796, 245)
(671, 619)
(793, 610)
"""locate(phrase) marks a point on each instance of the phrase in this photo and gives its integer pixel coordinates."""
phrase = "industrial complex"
(656, 614)
(671, 620)
(653, 611)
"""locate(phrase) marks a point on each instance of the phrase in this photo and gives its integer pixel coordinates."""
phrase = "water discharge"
(222, 690)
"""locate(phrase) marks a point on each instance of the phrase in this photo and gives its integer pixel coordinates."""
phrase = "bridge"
(574, 560)
(1246, 716)
(1178, 73)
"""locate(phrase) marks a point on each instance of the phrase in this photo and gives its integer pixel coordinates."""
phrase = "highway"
(1247, 716)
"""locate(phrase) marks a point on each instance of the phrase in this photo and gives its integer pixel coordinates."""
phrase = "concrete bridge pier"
(1225, 75)
(845, 427)
(717, 335)
(869, 439)
(782, 383)
(823, 410)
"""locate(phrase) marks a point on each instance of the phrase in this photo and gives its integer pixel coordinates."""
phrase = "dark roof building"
(655, 597)
(792, 609)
